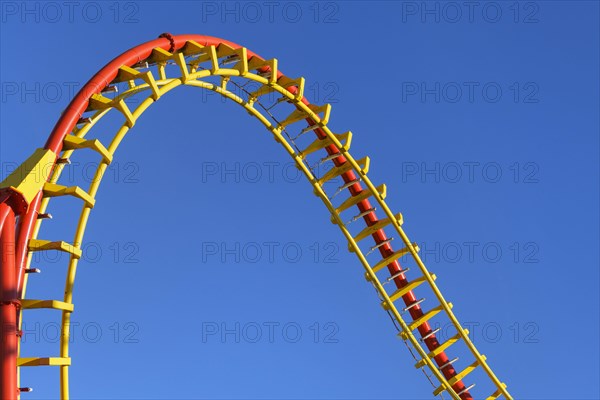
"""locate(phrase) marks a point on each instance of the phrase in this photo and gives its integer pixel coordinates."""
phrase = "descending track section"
(147, 73)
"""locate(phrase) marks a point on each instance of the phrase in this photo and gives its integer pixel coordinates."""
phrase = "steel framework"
(155, 68)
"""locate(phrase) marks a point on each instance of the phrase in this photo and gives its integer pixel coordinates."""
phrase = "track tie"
(101, 103)
(394, 256)
(265, 68)
(43, 361)
(237, 56)
(336, 171)
(55, 190)
(44, 245)
(72, 142)
(131, 74)
(345, 139)
(30, 304)
(192, 47)
(405, 289)
(382, 223)
(363, 195)
(460, 376)
(426, 317)
(441, 348)
(300, 115)
(497, 393)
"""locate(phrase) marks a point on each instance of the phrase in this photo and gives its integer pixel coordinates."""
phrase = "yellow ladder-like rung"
(441, 348)
(345, 139)
(241, 54)
(100, 103)
(159, 55)
(496, 394)
(334, 172)
(405, 289)
(382, 223)
(426, 317)
(299, 115)
(43, 361)
(29, 304)
(54, 190)
(129, 74)
(209, 53)
(71, 142)
(192, 47)
(460, 376)
(366, 193)
(396, 255)
(42, 245)
(286, 82)
(257, 63)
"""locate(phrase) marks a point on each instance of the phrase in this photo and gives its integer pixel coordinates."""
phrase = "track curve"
(197, 58)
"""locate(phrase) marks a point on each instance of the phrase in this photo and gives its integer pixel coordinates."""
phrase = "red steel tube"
(78, 105)
(9, 304)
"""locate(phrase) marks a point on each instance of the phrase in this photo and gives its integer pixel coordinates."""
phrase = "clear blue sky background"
(149, 292)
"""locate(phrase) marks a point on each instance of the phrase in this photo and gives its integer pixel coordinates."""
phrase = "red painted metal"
(9, 304)
(77, 107)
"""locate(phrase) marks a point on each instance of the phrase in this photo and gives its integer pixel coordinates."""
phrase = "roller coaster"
(148, 72)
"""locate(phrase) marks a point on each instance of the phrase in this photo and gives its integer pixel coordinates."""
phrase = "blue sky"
(211, 270)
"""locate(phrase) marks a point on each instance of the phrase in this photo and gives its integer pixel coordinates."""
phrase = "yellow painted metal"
(382, 223)
(42, 361)
(29, 304)
(393, 257)
(313, 112)
(424, 318)
(365, 194)
(497, 393)
(320, 144)
(54, 190)
(319, 114)
(43, 245)
(72, 142)
(443, 347)
(404, 290)
(30, 176)
(363, 167)
(159, 55)
(192, 47)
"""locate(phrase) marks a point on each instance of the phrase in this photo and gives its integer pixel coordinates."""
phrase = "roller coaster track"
(150, 71)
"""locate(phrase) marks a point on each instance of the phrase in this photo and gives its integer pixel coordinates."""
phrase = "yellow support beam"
(364, 164)
(366, 193)
(393, 257)
(497, 393)
(319, 144)
(44, 245)
(382, 223)
(71, 142)
(192, 47)
(256, 63)
(460, 376)
(301, 114)
(426, 317)
(55, 190)
(443, 347)
(404, 290)
(29, 177)
(43, 361)
(30, 304)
